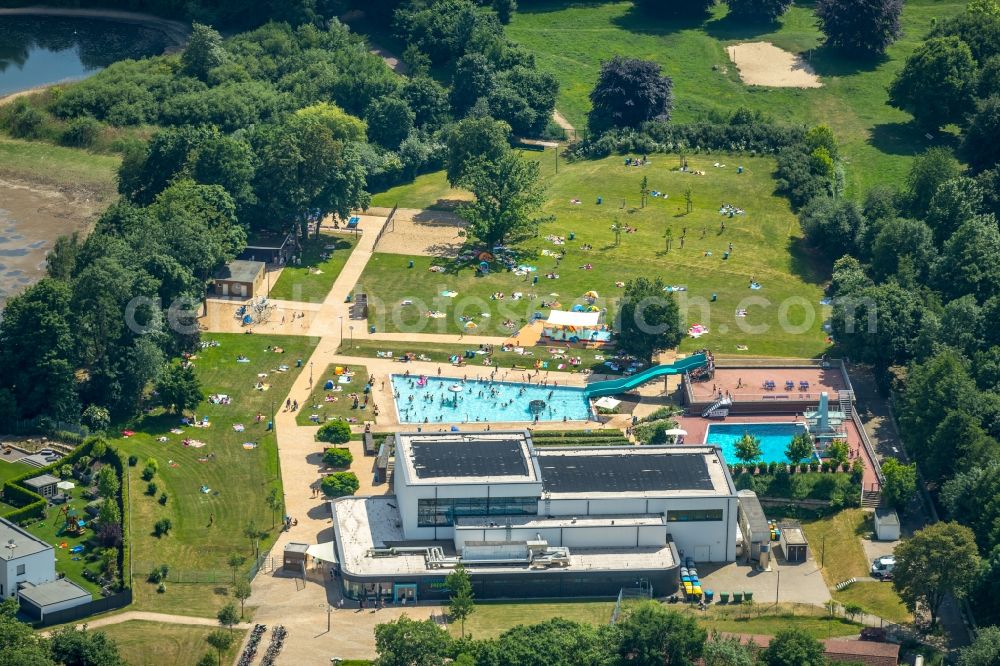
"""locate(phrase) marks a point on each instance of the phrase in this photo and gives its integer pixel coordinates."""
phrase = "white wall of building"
(609, 536)
(38, 568)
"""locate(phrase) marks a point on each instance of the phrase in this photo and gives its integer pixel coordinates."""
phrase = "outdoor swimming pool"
(774, 438)
(483, 401)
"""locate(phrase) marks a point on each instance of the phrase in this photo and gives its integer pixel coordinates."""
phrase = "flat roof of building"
(240, 270)
(472, 457)
(541, 522)
(754, 512)
(43, 480)
(887, 516)
(363, 523)
(643, 471)
(24, 543)
(54, 592)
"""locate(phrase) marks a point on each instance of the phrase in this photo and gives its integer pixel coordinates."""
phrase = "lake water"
(38, 50)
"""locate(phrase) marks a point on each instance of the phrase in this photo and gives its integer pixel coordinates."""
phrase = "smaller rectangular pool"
(774, 438)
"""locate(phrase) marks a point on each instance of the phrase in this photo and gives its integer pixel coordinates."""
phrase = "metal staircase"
(871, 499)
(717, 408)
(846, 403)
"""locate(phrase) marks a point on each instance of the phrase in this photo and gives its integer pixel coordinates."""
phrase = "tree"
(860, 26)
(649, 321)
(984, 651)
(19, 644)
(389, 120)
(838, 452)
(242, 591)
(981, 143)
(235, 561)
(794, 647)
(107, 483)
(748, 448)
(954, 203)
(460, 598)
(227, 616)
(879, 324)
(254, 534)
(758, 10)
(206, 660)
(274, 501)
(84, 648)
(473, 80)
(221, 641)
(508, 196)
(900, 483)
(429, 101)
(338, 457)
(967, 264)
(937, 561)
(178, 388)
(335, 432)
(833, 225)
(162, 527)
(474, 144)
(728, 651)
(405, 642)
(204, 51)
(340, 484)
(903, 248)
(653, 635)
(942, 69)
(800, 448)
(628, 92)
(97, 418)
(342, 125)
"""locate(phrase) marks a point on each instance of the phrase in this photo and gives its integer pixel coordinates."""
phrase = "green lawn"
(311, 281)
(340, 408)
(143, 643)
(442, 353)
(51, 530)
(490, 619)
(430, 190)
(570, 40)
(208, 527)
(8, 470)
(767, 245)
(54, 164)
(839, 535)
(877, 598)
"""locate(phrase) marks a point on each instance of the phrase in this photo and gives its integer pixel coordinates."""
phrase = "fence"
(627, 594)
(387, 226)
(102, 605)
(264, 563)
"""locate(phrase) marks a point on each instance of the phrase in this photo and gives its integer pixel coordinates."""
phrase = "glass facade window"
(694, 516)
(443, 511)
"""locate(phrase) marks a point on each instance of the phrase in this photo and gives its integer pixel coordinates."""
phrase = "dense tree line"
(20, 645)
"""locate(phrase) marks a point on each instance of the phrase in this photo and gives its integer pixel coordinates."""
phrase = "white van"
(883, 566)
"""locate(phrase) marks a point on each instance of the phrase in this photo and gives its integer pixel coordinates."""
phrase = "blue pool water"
(774, 438)
(483, 401)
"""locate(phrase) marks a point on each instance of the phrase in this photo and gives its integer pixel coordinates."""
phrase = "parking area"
(786, 582)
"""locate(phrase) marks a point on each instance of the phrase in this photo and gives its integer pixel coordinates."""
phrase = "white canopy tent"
(575, 319)
(607, 402)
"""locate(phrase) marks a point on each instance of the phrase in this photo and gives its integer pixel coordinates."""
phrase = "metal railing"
(388, 226)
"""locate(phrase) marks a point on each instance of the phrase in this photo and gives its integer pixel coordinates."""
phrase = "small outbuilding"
(38, 600)
(793, 542)
(240, 278)
(753, 525)
(295, 556)
(886, 524)
(44, 485)
(275, 248)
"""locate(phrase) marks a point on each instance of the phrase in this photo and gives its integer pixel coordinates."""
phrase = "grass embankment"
(143, 643)
(767, 245)
(570, 42)
(209, 526)
(430, 190)
(492, 619)
(840, 537)
(322, 261)
(342, 405)
(590, 359)
(58, 166)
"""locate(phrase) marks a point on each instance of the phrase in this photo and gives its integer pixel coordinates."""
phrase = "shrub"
(162, 527)
(148, 473)
(338, 457)
(814, 467)
(163, 499)
(132, 461)
(81, 132)
(826, 467)
(159, 574)
(337, 432)
(151, 489)
(340, 484)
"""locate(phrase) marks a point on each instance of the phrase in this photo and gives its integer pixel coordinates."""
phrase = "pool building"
(527, 522)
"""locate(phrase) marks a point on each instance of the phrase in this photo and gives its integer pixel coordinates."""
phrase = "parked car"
(883, 567)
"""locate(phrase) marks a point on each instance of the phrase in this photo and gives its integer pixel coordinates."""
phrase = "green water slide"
(613, 386)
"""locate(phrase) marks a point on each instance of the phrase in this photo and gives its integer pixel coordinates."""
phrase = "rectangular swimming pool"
(450, 400)
(774, 438)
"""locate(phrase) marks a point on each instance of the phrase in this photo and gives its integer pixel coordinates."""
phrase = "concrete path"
(166, 618)
(560, 120)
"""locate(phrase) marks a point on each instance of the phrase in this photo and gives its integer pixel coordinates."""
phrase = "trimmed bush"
(340, 484)
(336, 432)
(151, 489)
(338, 457)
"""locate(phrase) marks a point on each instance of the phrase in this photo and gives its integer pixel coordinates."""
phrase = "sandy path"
(175, 30)
(764, 64)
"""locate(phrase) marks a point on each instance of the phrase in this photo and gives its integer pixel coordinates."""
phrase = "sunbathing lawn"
(490, 619)
(311, 281)
(442, 352)
(143, 643)
(840, 535)
(767, 245)
(877, 598)
(570, 40)
(208, 527)
(342, 407)
(430, 190)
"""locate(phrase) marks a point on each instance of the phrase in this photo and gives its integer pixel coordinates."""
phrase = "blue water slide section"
(614, 386)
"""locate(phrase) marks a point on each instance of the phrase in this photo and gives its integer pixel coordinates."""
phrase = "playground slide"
(613, 386)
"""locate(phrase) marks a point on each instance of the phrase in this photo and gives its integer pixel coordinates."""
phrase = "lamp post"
(310, 374)
(351, 328)
(341, 329)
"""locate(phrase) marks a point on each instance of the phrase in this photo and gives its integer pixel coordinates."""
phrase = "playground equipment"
(74, 525)
(615, 386)
(256, 311)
